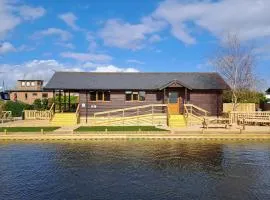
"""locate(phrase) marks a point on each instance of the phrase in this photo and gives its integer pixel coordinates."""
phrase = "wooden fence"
(240, 107)
(38, 115)
(259, 117)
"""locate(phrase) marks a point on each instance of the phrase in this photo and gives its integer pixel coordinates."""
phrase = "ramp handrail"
(126, 115)
(193, 109)
(129, 109)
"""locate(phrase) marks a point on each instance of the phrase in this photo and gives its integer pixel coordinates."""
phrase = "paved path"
(66, 129)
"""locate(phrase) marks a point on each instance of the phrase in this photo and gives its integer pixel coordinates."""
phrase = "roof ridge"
(137, 72)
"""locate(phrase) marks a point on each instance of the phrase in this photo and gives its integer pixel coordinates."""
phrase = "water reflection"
(134, 170)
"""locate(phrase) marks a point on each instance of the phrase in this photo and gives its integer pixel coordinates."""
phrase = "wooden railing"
(38, 115)
(258, 117)
(78, 113)
(195, 110)
(194, 114)
(6, 116)
(138, 115)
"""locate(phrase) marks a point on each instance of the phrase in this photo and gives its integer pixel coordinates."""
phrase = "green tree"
(17, 107)
(244, 96)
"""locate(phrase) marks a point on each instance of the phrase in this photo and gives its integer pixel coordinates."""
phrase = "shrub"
(16, 107)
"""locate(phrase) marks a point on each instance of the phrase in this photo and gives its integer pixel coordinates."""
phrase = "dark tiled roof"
(140, 80)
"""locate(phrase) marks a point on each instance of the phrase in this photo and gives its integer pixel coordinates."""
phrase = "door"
(173, 103)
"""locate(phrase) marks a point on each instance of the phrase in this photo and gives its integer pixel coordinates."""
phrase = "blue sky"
(38, 37)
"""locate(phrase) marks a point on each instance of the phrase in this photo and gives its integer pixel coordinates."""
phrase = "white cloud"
(92, 41)
(30, 13)
(44, 69)
(6, 47)
(65, 44)
(84, 57)
(121, 34)
(248, 18)
(12, 14)
(70, 19)
(112, 68)
(64, 35)
(135, 61)
(154, 38)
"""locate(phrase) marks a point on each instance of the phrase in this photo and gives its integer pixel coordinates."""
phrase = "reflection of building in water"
(157, 155)
(188, 156)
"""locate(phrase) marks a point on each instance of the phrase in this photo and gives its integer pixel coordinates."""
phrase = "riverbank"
(140, 136)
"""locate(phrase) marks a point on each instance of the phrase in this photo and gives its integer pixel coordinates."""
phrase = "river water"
(134, 170)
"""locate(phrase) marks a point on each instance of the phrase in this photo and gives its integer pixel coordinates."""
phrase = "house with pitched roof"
(105, 92)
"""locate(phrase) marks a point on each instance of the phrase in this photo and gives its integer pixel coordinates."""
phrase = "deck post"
(86, 98)
(69, 100)
(59, 101)
(185, 95)
(65, 99)
(54, 100)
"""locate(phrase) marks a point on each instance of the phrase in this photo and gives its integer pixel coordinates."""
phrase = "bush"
(17, 107)
(244, 96)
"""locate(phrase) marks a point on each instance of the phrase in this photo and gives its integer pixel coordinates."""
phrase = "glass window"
(32, 83)
(100, 96)
(93, 96)
(173, 97)
(128, 96)
(34, 94)
(23, 83)
(45, 95)
(25, 95)
(27, 84)
(142, 96)
(107, 96)
(135, 96)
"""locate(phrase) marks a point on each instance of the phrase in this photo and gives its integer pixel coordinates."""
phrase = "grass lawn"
(117, 128)
(27, 129)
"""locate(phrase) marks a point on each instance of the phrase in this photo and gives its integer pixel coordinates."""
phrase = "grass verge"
(117, 128)
(27, 129)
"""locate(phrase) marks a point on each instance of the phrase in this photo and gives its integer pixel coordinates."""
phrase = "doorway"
(174, 103)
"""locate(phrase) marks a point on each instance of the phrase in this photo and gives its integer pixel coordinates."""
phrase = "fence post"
(123, 117)
(137, 116)
(152, 115)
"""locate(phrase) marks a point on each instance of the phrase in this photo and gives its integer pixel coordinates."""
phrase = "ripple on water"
(134, 170)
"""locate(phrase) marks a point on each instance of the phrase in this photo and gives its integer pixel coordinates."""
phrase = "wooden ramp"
(148, 115)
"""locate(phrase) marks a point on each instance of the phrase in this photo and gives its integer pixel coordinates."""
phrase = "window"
(107, 96)
(173, 97)
(142, 96)
(100, 96)
(23, 83)
(93, 96)
(33, 83)
(27, 84)
(45, 95)
(135, 96)
(34, 94)
(25, 96)
(128, 96)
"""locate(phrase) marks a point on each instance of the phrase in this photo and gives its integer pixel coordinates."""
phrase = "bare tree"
(235, 61)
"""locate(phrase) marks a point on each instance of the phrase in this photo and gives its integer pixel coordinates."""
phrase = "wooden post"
(54, 100)
(152, 115)
(185, 96)
(86, 97)
(65, 99)
(59, 101)
(69, 100)
(123, 117)
(137, 116)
